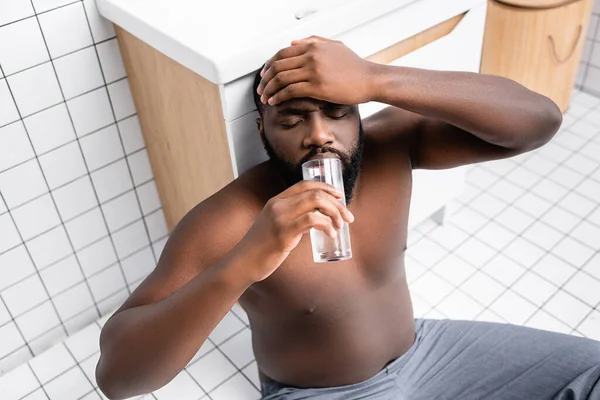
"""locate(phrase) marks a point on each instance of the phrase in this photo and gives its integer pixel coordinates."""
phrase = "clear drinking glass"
(325, 248)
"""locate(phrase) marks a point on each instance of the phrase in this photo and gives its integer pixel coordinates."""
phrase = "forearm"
(495, 109)
(144, 347)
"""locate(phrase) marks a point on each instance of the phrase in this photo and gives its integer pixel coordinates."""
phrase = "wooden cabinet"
(200, 135)
(537, 43)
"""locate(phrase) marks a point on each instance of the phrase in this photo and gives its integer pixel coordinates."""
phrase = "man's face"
(295, 131)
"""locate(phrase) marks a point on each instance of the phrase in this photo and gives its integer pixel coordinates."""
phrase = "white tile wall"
(588, 78)
(69, 207)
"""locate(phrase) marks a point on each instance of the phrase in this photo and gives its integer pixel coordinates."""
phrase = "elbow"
(105, 383)
(549, 118)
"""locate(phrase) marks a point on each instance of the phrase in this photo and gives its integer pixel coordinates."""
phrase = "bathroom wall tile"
(592, 27)
(543, 235)
(471, 221)
(79, 72)
(112, 181)
(75, 198)
(107, 283)
(4, 314)
(35, 89)
(14, 359)
(554, 269)
(14, 146)
(566, 177)
(47, 340)
(431, 288)
(63, 165)
(14, 10)
(251, 372)
(487, 205)
(594, 59)
(159, 246)
(554, 152)
(86, 228)
(65, 29)
(24, 295)
(22, 183)
(237, 387)
(71, 385)
(138, 265)
(212, 370)
(84, 343)
(585, 287)
(534, 288)
(36, 395)
(21, 46)
(46, 5)
(97, 256)
(88, 366)
(475, 252)
(513, 308)
(73, 301)
(581, 164)
(81, 320)
(91, 111)
(524, 252)
(148, 195)
(226, 328)
(8, 233)
(36, 217)
(49, 247)
(495, 236)
(206, 347)
(52, 363)
(110, 304)
(590, 189)
(588, 234)
(102, 147)
(8, 112)
(542, 320)
(590, 327)
(533, 204)
(427, 252)
(504, 270)
(140, 167)
(111, 60)
(121, 98)
(592, 267)
(61, 275)
(592, 80)
(102, 29)
(584, 128)
(3, 208)
(15, 265)
(37, 321)
(10, 339)
(239, 348)
(18, 383)
(157, 225)
(567, 308)
(50, 128)
(181, 387)
(131, 133)
(573, 252)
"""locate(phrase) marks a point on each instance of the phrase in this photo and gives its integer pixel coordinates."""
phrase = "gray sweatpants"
(474, 360)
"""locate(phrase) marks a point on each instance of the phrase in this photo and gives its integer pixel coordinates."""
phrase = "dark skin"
(316, 325)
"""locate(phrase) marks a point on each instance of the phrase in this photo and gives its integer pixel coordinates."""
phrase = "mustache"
(314, 152)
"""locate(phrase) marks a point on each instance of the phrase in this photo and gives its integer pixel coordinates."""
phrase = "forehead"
(302, 104)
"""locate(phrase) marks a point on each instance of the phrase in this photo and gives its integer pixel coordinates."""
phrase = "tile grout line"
(13, 320)
(114, 114)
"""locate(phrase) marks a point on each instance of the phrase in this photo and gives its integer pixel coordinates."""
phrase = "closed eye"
(337, 115)
(291, 124)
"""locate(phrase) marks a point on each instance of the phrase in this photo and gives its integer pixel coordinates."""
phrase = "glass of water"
(326, 248)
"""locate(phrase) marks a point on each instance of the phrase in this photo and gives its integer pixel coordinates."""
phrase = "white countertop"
(223, 40)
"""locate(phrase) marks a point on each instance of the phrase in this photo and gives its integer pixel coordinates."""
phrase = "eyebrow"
(291, 110)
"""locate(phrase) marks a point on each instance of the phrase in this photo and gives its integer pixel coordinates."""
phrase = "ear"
(259, 125)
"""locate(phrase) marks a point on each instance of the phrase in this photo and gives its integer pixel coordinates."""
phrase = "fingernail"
(259, 90)
(271, 101)
(351, 216)
(262, 99)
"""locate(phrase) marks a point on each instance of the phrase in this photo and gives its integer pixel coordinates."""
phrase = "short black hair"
(259, 105)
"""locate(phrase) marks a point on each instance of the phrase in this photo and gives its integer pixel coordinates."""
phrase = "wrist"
(388, 82)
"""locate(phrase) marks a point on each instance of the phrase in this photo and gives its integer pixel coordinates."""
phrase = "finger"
(277, 67)
(288, 52)
(323, 202)
(317, 200)
(311, 39)
(306, 185)
(295, 90)
(317, 221)
(283, 79)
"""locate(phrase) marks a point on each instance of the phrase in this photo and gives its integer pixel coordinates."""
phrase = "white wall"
(588, 78)
(80, 220)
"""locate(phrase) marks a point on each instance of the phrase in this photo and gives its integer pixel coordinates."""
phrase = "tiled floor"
(522, 246)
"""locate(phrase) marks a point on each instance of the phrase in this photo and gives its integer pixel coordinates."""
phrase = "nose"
(318, 133)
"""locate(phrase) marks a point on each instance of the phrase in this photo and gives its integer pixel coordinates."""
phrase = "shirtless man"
(344, 330)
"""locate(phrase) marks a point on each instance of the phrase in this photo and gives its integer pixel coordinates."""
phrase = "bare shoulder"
(204, 235)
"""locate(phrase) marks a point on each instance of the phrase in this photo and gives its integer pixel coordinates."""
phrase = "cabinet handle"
(555, 53)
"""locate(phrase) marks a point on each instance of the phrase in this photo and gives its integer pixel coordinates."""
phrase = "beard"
(351, 165)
